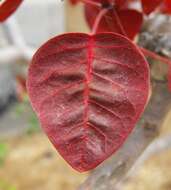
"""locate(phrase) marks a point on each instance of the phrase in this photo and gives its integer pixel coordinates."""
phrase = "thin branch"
(155, 56)
(156, 147)
(9, 55)
(18, 48)
(159, 145)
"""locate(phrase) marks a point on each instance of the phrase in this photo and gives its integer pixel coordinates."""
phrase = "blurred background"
(28, 161)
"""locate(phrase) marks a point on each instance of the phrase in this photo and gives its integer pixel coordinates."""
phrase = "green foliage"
(34, 124)
(3, 153)
(6, 186)
(24, 107)
(20, 108)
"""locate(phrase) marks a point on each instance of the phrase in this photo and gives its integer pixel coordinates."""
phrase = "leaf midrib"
(88, 79)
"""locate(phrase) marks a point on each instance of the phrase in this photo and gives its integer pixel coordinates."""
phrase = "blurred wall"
(40, 20)
(75, 21)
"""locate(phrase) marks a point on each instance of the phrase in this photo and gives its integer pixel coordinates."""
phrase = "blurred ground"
(155, 174)
(32, 163)
(28, 161)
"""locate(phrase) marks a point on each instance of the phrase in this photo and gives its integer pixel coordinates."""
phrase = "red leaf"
(166, 7)
(21, 87)
(74, 2)
(102, 1)
(131, 21)
(122, 3)
(149, 7)
(119, 3)
(7, 8)
(97, 1)
(88, 92)
(169, 78)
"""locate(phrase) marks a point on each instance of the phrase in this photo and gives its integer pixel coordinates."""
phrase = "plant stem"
(153, 55)
(98, 19)
(90, 2)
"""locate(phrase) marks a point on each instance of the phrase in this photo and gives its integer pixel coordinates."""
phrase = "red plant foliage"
(169, 77)
(88, 92)
(131, 20)
(117, 15)
(21, 87)
(121, 19)
(149, 7)
(163, 6)
(166, 7)
(74, 1)
(7, 8)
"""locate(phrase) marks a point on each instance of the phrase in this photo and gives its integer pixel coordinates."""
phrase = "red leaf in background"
(169, 78)
(88, 92)
(150, 6)
(21, 87)
(131, 21)
(7, 8)
(120, 3)
(166, 7)
(74, 2)
(104, 1)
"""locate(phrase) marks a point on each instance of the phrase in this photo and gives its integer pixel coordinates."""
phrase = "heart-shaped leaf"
(131, 20)
(7, 8)
(88, 92)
